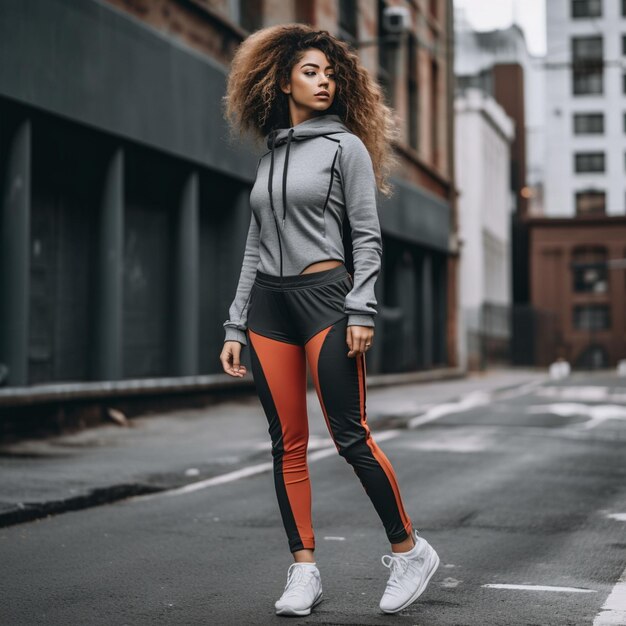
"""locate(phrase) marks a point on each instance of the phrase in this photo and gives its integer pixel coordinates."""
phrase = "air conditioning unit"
(396, 20)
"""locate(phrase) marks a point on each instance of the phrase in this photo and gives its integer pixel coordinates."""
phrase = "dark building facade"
(124, 201)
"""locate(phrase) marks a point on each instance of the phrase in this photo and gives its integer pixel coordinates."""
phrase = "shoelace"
(297, 578)
(398, 566)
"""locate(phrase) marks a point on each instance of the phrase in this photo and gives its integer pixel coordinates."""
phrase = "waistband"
(291, 281)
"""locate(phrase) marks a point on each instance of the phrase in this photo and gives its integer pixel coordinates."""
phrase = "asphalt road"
(522, 487)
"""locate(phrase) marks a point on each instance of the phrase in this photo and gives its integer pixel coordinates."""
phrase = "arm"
(236, 325)
(359, 187)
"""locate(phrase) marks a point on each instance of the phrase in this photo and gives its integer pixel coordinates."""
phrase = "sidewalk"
(162, 451)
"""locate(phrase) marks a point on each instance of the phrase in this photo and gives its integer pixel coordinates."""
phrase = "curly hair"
(255, 103)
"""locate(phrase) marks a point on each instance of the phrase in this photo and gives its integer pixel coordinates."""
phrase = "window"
(588, 123)
(434, 111)
(385, 58)
(587, 65)
(586, 8)
(589, 162)
(591, 317)
(589, 269)
(624, 45)
(587, 48)
(348, 20)
(588, 81)
(250, 14)
(623, 8)
(412, 82)
(590, 202)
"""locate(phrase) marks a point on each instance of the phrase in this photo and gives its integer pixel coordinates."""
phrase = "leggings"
(292, 320)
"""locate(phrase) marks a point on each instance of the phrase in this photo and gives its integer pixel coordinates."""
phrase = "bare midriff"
(320, 266)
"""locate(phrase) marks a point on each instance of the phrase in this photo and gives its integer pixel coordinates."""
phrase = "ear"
(285, 88)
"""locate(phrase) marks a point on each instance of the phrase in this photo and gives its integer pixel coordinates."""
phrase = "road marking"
(542, 588)
(522, 390)
(620, 517)
(471, 400)
(613, 611)
(335, 538)
(585, 393)
(244, 472)
(467, 402)
(597, 413)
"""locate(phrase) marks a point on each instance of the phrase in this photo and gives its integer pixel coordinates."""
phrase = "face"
(312, 74)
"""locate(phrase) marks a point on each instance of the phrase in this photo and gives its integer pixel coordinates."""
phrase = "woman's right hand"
(230, 358)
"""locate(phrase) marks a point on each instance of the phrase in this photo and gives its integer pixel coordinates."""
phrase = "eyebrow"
(315, 65)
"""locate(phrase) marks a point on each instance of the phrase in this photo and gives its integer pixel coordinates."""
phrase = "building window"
(590, 202)
(412, 82)
(589, 162)
(434, 111)
(592, 317)
(588, 81)
(586, 8)
(624, 45)
(588, 123)
(348, 20)
(623, 8)
(588, 48)
(589, 269)
(250, 14)
(587, 65)
(385, 58)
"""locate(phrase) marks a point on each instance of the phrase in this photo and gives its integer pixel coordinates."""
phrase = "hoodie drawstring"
(291, 131)
(269, 188)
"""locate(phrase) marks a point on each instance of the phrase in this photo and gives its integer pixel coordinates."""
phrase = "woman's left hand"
(359, 339)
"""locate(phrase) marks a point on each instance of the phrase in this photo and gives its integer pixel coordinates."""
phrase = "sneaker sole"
(299, 612)
(421, 588)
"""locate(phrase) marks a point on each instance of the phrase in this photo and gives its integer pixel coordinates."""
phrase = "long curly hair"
(254, 102)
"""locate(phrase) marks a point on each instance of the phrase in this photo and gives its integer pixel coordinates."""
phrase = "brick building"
(124, 205)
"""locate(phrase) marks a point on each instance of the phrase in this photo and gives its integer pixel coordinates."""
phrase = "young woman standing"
(328, 134)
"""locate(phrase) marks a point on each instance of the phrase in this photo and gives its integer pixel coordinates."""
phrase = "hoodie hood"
(327, 124)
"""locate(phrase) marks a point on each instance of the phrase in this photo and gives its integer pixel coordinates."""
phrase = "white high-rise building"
(585, 108)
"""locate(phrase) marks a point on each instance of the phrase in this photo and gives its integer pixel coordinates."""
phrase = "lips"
(323, 93)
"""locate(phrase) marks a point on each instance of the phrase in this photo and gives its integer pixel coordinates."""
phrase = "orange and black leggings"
(292, 320)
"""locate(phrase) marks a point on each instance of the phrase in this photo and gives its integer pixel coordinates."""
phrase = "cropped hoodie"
(313, 175)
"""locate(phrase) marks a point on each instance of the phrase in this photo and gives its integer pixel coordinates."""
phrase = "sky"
(530, 15)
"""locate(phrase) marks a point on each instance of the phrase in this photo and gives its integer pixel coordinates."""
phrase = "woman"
(328, 136)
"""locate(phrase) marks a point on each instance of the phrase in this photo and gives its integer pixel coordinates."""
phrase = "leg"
(340, 385)
(279, 370)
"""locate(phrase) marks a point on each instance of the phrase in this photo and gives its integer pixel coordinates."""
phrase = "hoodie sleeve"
(360, 195)
(236, 325)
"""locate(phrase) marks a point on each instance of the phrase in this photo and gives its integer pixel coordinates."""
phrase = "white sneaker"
(302, 592)
(410, 573)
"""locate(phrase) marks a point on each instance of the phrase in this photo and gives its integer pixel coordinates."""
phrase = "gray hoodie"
(312, 176)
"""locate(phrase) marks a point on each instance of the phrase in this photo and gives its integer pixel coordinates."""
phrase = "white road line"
(522, 390)
(620, 517)
(471, 400)
(467, 402)
(613, 611)
(542, 588)
(247, 471)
